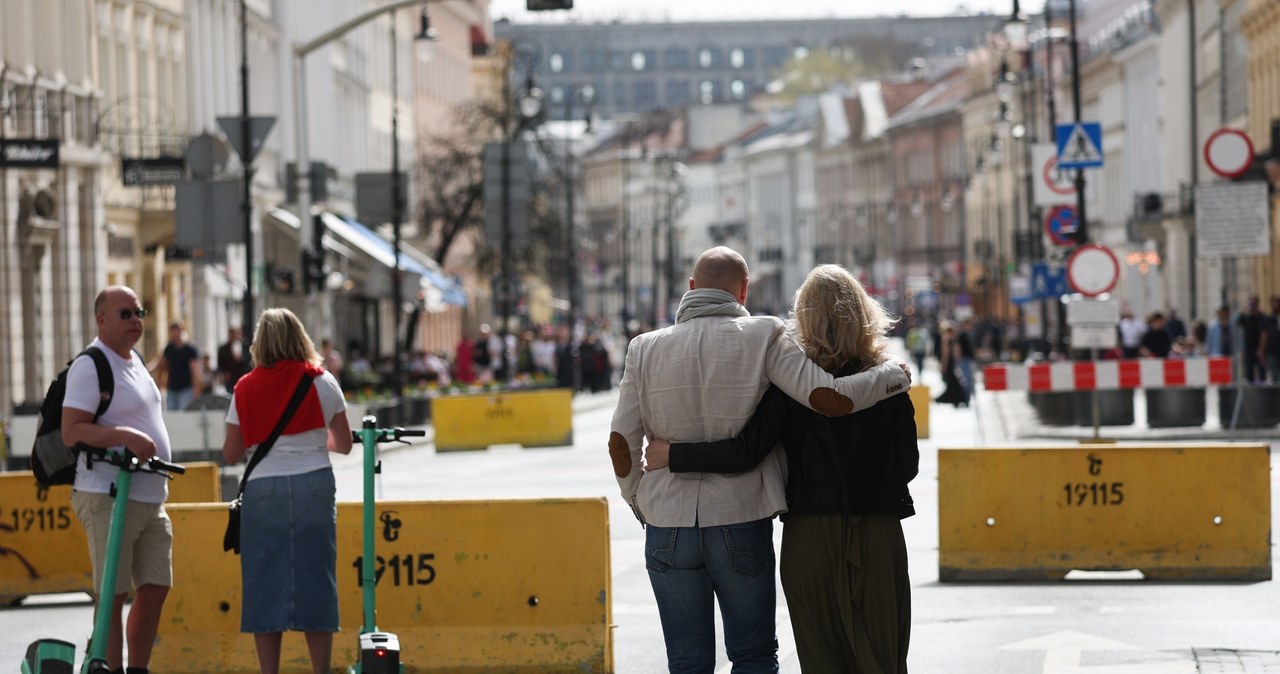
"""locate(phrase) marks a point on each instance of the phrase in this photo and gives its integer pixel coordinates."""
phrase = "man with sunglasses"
(135, 422)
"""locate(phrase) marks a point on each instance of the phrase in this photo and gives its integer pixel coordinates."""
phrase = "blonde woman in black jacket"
(844, 557)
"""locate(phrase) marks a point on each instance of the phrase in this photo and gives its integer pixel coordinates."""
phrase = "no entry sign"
(1093, 270)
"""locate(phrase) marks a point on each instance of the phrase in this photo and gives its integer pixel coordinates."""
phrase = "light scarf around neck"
(701, 302)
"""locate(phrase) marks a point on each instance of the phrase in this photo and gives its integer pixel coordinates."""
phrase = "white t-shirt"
(300, 452)
(136, 404)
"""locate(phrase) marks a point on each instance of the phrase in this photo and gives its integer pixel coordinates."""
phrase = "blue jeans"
(178, 399)
(690, 568)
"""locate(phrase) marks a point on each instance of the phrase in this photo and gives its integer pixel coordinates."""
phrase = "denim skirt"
(289, 554)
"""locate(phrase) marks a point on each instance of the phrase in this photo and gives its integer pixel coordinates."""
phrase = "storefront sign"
(154, 171)
(29, 153)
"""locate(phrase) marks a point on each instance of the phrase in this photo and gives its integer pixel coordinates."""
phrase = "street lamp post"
(1082, 228)
(528, 111)
(397, 203)
(311, 233)
(571, 221)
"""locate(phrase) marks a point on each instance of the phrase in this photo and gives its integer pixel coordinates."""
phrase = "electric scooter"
(55, 656)
(379, 651)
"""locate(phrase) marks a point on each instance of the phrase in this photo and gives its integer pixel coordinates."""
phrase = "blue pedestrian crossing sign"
(1079, 145)
(1047, 282)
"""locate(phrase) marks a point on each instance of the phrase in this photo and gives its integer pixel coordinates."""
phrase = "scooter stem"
(369, 438)
(107, 593)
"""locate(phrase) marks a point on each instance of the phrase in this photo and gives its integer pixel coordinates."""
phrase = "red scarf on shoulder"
(264, 393)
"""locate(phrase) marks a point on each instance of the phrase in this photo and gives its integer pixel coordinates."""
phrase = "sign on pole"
(1228, 152)
(1232, 220)
(1093, 270)
(1062, 224)
(259, 127)
(1053, 186)
(1047, 282)
(1079, 145)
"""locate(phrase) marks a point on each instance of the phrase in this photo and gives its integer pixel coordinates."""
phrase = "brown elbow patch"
(620, 453)
(830, 402)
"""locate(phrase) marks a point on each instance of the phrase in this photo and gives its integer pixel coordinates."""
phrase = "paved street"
(1108, 624)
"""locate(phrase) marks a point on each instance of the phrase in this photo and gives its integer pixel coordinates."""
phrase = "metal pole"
(504, 282)
(397, 214)
(625, 243)
(1082, 229)
(310, 234)
(246, 160)
(571, 223)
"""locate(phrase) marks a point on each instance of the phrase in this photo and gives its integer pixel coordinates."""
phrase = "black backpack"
(51, 460)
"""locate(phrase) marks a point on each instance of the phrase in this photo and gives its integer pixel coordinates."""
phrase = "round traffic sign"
(1058, 181)
(1093, 270)
(1228, 152)
(1062, 224)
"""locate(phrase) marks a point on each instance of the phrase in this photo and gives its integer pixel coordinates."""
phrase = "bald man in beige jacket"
(710, 536)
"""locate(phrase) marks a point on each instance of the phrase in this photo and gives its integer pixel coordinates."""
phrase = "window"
(800, 53)
(619, 94)
(637, 60)
(677, 92)
(708, 57)
(556, 62)
(738, 58)
(676, 58)
(708, 92)
(738, 89)
(617, 61)
(644, 93)
(774, 56)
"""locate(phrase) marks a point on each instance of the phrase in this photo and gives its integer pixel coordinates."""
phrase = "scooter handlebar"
(389, 434)
(125, 458)
(158, 465)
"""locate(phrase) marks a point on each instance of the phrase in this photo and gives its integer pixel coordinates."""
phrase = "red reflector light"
(381, 652)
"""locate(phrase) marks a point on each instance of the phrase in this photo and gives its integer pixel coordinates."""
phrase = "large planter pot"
(1055, 408)
(1259, 406)
(1175, 407)
(1115, 408)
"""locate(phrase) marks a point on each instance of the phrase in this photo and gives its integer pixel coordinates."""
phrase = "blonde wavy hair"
(841, 327)
(280, 336)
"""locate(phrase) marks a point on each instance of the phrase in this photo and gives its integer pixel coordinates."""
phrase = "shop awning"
(381, 250)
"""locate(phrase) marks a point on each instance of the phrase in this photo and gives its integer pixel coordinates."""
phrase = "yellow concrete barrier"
(42, 545)
(541, 418)
(1172, 511)
(921, 398)
(467, 586)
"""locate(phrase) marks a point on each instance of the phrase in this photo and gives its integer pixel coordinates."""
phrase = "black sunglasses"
(125, 314)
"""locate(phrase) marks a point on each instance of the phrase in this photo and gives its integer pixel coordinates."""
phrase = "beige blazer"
(701, 380)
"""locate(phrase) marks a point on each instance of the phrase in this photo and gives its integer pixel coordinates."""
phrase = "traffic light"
(313, 273)
(546, 5)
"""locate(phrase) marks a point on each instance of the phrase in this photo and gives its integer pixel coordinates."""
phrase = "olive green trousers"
(845, 579)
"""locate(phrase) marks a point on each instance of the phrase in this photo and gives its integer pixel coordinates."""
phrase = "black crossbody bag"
(231, 539)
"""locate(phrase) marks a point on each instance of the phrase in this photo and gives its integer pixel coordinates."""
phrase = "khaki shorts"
(146, 553)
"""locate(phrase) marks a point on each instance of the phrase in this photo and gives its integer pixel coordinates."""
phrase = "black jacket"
(858, 464)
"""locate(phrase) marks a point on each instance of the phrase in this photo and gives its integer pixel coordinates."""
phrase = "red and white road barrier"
(1109, 374)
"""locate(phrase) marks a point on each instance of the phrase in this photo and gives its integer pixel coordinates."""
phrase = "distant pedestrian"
(1131, 331)
(1271, 341)
(233, 359)
(917, 341)
(1219, 337)
(1252, 324)
(1155, 342)
(180, 365)
(1174, 326)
